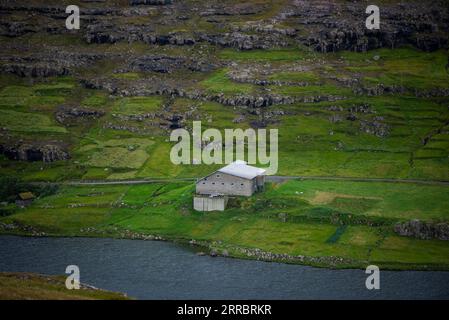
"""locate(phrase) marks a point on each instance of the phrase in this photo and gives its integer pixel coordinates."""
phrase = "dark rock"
(322, 25)
(66, 115)
(335, 108)
(233, 10)
(364, 108)
(46, 64)
(16, 28)
(335, 118)
(213, 253)
(45, 152)
(244, 41)
(375, 127)
(34, 70)
(332, 26)
(422, 230)
(150, 2)
(162, 64)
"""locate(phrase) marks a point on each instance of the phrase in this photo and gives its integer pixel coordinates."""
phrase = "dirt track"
(269, 178)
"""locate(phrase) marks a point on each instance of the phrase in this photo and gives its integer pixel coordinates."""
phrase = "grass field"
(350, 220)
(30, 286)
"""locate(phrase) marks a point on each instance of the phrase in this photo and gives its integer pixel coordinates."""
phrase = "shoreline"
(215, 249)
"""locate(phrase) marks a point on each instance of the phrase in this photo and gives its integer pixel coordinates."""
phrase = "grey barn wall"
(224, 183)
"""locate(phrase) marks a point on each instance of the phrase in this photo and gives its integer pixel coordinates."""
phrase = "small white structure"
(235, 179)
(213, 202)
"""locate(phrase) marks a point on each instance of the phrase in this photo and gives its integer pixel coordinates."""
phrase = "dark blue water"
(161, 270)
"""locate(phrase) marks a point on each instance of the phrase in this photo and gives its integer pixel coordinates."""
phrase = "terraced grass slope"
(392, 135)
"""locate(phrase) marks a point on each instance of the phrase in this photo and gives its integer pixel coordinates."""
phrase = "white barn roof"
(239, 168)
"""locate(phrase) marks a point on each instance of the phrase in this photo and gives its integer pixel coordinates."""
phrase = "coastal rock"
(213, 253)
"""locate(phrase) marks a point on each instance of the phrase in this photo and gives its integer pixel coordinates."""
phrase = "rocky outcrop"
(55, 11)
(108, 32)
(241, 9)
(260, 27)
(423, 230)
(243, 41)
(22, 228)
(157, 63)
(66, 115)
(330, 26)
(33, 151)
(16, 28)
(46, 64)
(147, 87)
(375, 127)
(251, 76)
(150, 2)
(362, 113)
(378, 90)
(326, 26)
(34, 70)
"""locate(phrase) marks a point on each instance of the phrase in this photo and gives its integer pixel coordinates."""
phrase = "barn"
(235, 179)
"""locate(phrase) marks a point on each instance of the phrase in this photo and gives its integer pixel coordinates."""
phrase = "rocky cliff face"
(33, 151)
(200, 27)
(322, 25)
(325, 26)
(334, 26)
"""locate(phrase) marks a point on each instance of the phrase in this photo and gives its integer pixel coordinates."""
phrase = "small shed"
(213, 202)
(25, 199)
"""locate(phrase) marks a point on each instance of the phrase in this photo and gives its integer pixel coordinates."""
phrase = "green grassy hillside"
(322, 220)
(315, 138)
